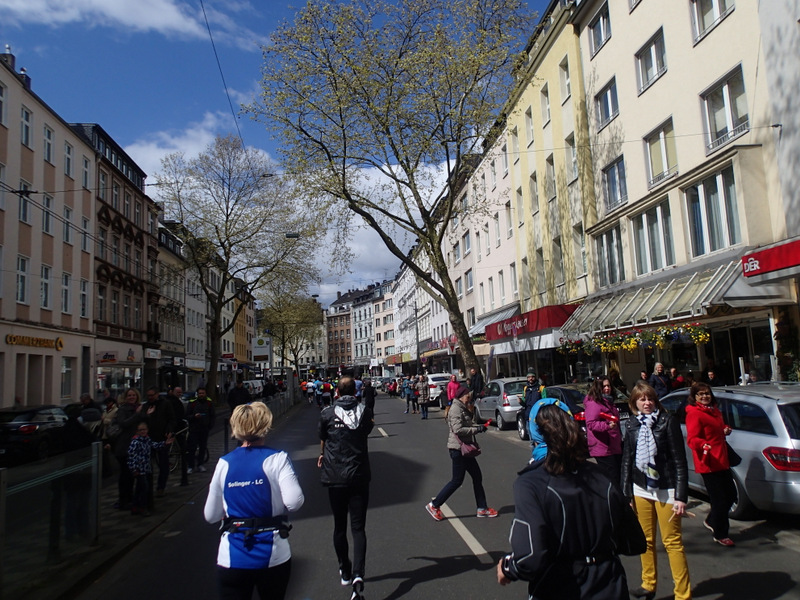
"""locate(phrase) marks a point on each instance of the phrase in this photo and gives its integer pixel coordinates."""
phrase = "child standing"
(139, 465)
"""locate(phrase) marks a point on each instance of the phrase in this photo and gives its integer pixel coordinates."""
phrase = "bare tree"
(379, 105)
(234, 215)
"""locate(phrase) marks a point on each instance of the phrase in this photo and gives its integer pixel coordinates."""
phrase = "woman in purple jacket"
(602, 428)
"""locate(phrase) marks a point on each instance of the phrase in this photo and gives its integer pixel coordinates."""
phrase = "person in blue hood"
(344, 462)
(539, 445)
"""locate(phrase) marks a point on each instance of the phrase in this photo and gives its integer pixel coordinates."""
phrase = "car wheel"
(743, 507)
(43, 449)
(522, 429)
(499, 422)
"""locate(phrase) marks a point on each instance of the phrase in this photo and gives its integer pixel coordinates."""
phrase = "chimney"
(338, 294)
(26, 80)
(8, 58)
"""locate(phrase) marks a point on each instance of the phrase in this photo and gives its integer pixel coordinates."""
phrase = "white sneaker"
(202, 469)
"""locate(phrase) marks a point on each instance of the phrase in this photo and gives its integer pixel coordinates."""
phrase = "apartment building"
(364, 328)
(686, 128)
(171, 309)
(47, 246)
(340, 332)
(412, 319)
(383, 313)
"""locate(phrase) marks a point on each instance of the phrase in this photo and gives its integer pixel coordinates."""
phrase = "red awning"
(547, 317)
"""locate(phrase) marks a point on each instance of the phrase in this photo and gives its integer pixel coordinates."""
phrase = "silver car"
(501, 401)
(765, 418)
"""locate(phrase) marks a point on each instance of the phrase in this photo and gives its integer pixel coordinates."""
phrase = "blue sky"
(145, 70)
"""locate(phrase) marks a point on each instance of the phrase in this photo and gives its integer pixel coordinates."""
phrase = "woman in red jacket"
(705, 432)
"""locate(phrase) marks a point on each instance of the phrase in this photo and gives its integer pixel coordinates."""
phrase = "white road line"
(473, 544)
(383, 433)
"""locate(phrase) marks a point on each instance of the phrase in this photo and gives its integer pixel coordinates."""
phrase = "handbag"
(629, 536)
(469, 450)
(733, 458)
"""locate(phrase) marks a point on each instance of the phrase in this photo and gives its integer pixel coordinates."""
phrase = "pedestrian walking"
(476, 383)
(655, 478)
(200, 417)
(345, 471)
(705, 435)
(602, 428)
(423, 391)
(368, 393)
(462, 430)
(660, 381)
(569, 522)
(128, 418)
(253, 490)
(237, 396)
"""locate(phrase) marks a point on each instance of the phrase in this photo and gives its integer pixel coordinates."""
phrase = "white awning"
(493, 317)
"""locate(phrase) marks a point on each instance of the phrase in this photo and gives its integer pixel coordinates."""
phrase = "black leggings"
(353, 500)
(238, 584)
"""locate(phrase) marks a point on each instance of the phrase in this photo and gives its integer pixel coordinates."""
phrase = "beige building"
(687, 153)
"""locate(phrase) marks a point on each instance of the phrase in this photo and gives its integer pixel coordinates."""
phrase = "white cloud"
(165, 17)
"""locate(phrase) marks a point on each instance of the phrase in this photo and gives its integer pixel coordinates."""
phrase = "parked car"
(437, 382)
(765, 418)
(501, 401)
(573, 394)
(31, 432)
(255, 387)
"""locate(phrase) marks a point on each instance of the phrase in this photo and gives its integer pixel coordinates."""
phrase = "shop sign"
(153, 353)
(177, 361)
(547, 317)
(104, 358)
(35, 342)
(769, 260)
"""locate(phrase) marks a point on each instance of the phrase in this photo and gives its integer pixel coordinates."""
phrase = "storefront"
(119, 366)
(43, 366)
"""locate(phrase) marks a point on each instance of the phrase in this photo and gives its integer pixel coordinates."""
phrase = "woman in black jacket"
(654, 477)
(569, 521)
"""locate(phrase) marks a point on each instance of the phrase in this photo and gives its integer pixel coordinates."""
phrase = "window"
(529, 125)
(652, 233)
(468, 279)
(572, 158)
(520, 203)
(67, 225)
(67, 160)
(606, 104)
(493, 172)
(85, 179)
(599, 30)
(713, 214)
(545, 97)
(66, 377)
(541, 279)
(579, 249)
(471, 317)
(22, 279)
(115, 253)
(101, 244)
(504, 158)
(48, 144)
(558, 261)
(3, 96)
(747, 416)
(466, 243)
(515, 144)
(614, 187)
(534, 193)
(85, 244)
(457, 253)
(501, 285)
(497, 229)
(651, 61)
(509, 220)
(482, 298)
(114, 307)
(47, 214)
(609, 258)
(84, 298)
(459, 287)
(24, 202)
(661, 153)
(726, 111)
(137, 214)
(490, 283)
(566, 86)
(101, 190)
(2, 182)
(115, 196)
(27, 121)
(126, 311)
(44, 287)
(137, 263)
(101, 303)
(706, 14)
(486, 239)
(550, 178)
(66, 305)
(127, 266)
(512, 272)
(478, 244)
(126, 207)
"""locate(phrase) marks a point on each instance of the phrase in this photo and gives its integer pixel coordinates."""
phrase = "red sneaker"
(434, 511)
(487, 512)
(728, 542)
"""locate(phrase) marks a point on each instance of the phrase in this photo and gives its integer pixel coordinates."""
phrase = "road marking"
(383, 433)
(473, 544)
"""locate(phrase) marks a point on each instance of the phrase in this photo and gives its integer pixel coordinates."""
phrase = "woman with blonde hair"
(655, 478)
(252, 491)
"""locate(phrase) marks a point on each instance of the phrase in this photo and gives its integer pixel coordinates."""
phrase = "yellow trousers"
(654, 514)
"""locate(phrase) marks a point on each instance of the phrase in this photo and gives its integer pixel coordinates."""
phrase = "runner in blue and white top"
(252, 491)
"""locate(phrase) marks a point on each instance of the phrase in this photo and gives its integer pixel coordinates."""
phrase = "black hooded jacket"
(344, 427)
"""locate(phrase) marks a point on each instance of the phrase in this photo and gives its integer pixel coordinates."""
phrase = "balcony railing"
(728, 136)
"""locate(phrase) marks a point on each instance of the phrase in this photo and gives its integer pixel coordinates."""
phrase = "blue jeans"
(461, 466)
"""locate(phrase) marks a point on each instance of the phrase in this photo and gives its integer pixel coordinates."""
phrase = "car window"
(746, 416)
(515, 387)
(791, 418)
(493, 390)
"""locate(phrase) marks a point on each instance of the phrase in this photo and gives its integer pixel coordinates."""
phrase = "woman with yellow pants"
(654, 478)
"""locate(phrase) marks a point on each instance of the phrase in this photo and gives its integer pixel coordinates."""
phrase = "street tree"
(240, 223)
(382, 106)
(293, 320)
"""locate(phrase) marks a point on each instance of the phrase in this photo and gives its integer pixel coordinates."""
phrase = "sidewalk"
(119, 531)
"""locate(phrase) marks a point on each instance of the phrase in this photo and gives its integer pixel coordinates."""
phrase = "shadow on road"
(764, 586)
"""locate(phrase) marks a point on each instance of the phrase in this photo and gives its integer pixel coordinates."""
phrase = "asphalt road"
(411, 556)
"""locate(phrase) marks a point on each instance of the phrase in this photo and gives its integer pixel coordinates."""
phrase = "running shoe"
(487, 512)
(727, 542)
(434, 511)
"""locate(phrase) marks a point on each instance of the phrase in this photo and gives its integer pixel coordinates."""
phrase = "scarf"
(646, 450)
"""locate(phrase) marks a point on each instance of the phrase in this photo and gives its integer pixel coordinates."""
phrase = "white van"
(255, 387)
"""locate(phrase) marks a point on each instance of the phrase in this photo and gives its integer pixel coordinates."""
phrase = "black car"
(573, 394)
(31, 432)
